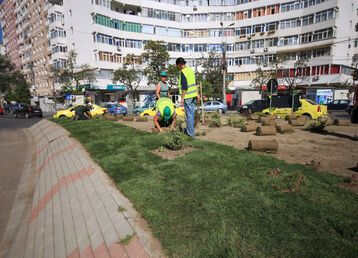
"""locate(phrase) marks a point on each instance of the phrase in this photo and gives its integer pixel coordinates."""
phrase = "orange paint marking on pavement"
(135, 249)
(87, 253)
(101, 252)
(74, 254)
(53, 155)
(116, 250)
(44, 146)
(64, 181)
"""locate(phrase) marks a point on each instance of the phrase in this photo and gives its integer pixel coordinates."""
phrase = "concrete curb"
(76, 211)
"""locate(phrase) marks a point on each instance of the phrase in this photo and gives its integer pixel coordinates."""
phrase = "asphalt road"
(13, 148)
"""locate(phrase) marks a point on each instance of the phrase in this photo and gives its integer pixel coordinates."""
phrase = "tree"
(8, 74)
(20, 93)
(71, 74)
(262, 77)
(130, 77)
(173, 75)
(211, 76)
(156, 57)
(292, 77)
(13, 82)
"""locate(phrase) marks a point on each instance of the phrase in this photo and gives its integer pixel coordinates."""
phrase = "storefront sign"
(116, 87)
(324, 96)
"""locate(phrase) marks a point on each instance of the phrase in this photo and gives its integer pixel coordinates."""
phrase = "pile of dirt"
(334, 152)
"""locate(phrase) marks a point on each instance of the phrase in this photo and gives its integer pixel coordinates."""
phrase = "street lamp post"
(224, 68)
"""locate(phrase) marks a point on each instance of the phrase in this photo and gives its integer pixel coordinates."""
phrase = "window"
(323, 34)
(149, 29)
(271, 26)
(290, 6)
(258, 43)
(288, 41)
(291, 23)
(242, 45)
(272, 42)
(104, 3)
(58, 48)
(161, 31)
(324, 15)
(259, 28)
(307, 20)
(58, 32)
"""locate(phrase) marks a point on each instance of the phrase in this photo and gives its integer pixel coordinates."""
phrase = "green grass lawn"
(220, 202)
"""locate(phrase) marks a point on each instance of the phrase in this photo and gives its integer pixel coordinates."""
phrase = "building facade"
(26, 42)
(255, 33)
(8, 22)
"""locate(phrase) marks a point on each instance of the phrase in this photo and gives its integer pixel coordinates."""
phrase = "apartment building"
(255, 33)
(26, 43)
(8, 23)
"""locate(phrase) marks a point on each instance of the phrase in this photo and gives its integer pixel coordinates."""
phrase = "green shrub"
(174, 140)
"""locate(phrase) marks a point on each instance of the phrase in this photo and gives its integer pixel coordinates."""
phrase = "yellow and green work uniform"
(165, 111)
(187, 83)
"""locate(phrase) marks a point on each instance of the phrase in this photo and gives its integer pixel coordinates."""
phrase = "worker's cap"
(167, 113)
(163, 74)
(179, 61)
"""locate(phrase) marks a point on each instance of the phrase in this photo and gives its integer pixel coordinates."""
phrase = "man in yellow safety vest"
(189, 94)
(165, 114)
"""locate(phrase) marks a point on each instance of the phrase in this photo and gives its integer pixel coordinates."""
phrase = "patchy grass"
(126, 240)
(218, 201)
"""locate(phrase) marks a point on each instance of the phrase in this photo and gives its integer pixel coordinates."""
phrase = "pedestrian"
(165, 114)
(162, 87)
(189, 94)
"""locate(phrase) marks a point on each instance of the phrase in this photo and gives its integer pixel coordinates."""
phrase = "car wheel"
(307, 116)
(145, 115)
(62, 117)
(27, 115)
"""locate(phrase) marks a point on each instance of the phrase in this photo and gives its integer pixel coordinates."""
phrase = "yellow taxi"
(151, 112)
(70, 112)
(308, 108)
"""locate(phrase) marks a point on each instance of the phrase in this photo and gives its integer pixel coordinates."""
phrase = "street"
(13, 148)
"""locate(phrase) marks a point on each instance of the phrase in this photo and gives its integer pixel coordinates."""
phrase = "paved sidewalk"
(76, 210)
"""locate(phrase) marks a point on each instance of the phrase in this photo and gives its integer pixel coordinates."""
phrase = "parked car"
(1, 111)
(214, 106)
(117, 109)
(140, 109)
(27, 111)
(339, 104)
(305, 107)
(70, 112)
(151, 112)
(253, 106)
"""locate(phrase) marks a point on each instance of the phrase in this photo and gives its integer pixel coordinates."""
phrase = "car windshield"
(311, 102)
(249, 102)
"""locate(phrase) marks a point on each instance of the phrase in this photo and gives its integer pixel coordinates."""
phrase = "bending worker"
(189, 94)
(165, 114)
(162, 87)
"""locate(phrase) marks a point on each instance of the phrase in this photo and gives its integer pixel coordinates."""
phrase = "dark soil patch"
(172, 154)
